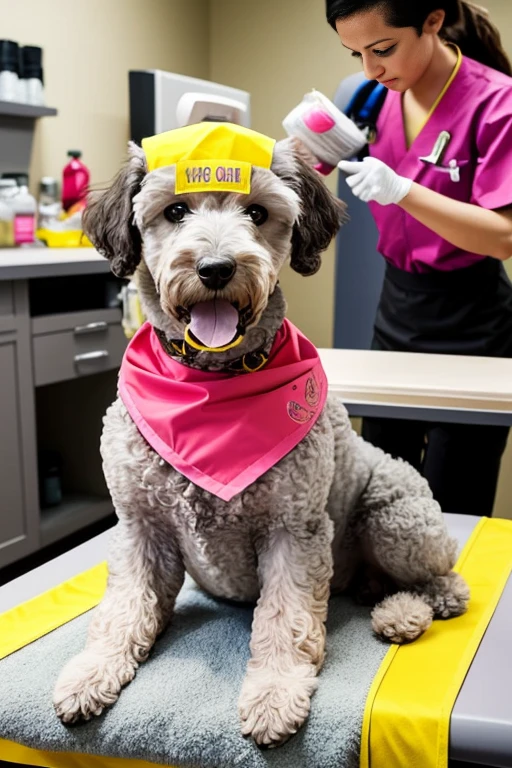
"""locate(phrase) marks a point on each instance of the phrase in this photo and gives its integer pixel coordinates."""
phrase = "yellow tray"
(73, 238)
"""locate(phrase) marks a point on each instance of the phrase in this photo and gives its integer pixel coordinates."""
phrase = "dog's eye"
(258, 214)
(176, 212)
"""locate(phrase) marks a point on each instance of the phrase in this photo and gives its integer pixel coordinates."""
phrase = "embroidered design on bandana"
(223, 431)
(312, 392)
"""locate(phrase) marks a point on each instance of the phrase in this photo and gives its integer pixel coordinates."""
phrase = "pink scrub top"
(477, 111)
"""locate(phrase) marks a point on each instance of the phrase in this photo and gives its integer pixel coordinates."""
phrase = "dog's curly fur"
(306, 527)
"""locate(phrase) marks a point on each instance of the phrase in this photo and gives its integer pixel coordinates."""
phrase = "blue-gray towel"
(181, 708)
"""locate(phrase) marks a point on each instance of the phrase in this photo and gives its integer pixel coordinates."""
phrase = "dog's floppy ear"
(321, 215)
(108, 218)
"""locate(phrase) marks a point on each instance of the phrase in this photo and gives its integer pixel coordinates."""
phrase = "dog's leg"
(288, 634)
(145, 576)
(404, 534)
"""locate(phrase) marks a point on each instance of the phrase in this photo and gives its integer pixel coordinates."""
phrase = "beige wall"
(89, 46)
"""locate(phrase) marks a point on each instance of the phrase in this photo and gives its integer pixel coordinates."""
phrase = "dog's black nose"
(216, 276)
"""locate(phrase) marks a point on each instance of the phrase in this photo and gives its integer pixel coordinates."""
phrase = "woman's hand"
(373, 180)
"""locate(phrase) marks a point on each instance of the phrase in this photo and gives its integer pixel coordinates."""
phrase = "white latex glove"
(374, 180)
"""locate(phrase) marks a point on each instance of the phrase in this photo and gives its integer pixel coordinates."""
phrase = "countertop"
(27, 262)
(412, 380)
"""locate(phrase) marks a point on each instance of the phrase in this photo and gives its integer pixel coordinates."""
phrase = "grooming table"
(481, 721)
(403, 385)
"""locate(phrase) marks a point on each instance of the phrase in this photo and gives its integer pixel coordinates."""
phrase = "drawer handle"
(100, 353)
(101, 325)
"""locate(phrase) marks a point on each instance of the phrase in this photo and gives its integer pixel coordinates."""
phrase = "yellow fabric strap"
(407, 714)
(17, 753)
(35, 618)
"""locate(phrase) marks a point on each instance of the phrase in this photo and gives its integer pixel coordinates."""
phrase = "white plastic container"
(33, 92)
(328, 134)
(22, 91)
(9, 70)
(25, 214)
(31, 75)
(9, 86)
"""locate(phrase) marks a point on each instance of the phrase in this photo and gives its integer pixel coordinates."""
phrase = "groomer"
(439, 185)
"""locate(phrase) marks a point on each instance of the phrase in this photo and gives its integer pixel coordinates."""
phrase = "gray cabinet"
(19, 522)
(58, 374)
(13, 523)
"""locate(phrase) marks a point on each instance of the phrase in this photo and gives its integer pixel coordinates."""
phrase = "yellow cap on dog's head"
(210, 157)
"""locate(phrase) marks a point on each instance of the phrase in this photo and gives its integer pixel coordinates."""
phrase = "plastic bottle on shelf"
(9, 69)
(8, 188)
(75, 181)
(49, 207)
(31, 87)
(25, 213)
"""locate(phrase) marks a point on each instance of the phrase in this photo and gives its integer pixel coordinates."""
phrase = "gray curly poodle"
(331, 509)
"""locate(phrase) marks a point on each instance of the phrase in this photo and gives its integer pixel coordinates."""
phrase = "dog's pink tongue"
(214, 323)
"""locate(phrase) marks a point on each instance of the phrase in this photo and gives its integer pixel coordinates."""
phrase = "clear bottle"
(75, 181)
(49, 207)
(25, 213)
(133, 316)
(8, 189)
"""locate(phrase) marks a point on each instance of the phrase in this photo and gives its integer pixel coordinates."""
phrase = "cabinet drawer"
(79, 352)
(81, 322)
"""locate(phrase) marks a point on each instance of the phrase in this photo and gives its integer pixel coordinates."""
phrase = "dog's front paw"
(448, 595)
(273, 706)
(89, 683)
(401, 618)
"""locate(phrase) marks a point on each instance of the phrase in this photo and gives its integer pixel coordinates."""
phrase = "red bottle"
(75, 181)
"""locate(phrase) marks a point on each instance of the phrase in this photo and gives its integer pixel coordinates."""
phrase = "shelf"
(13, 109)
(76, 512)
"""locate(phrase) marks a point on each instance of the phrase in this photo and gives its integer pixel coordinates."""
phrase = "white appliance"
(161, 101)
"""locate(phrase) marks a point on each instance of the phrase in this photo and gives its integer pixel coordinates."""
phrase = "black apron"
(461, 312)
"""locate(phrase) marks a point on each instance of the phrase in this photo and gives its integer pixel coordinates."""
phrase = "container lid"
(9, 56)
(48, 185)
(31, 57)
(20, 178)
(75, 153)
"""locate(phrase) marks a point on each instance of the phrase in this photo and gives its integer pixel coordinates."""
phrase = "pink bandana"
(223, 431)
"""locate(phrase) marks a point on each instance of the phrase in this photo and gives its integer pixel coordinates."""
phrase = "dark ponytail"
(477, 37)
(466, 24)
